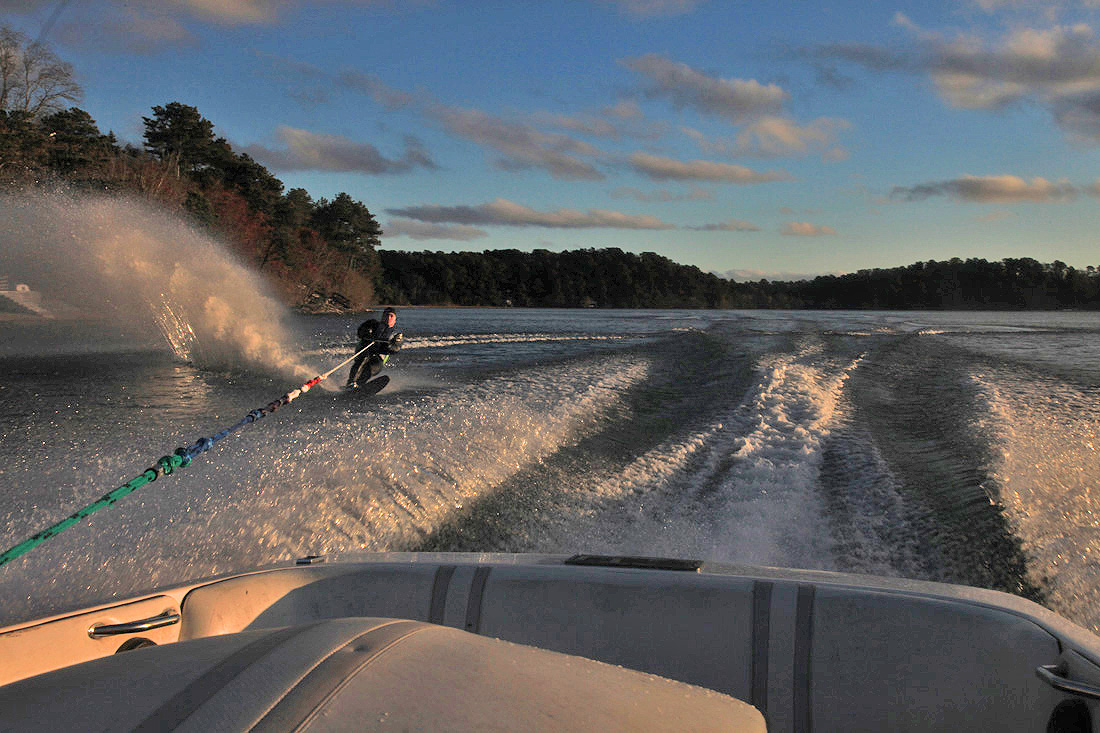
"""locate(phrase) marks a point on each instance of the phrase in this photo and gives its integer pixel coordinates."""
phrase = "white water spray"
(123, 261)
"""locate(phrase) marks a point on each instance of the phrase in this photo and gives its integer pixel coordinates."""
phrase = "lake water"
(947, 446)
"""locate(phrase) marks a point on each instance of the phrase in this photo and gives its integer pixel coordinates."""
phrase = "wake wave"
(334, 481)
(743, 488)
(1047, 432)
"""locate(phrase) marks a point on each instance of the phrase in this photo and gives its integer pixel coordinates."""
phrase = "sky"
(750, 139)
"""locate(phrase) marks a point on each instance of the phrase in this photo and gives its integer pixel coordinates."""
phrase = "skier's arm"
(394, 344)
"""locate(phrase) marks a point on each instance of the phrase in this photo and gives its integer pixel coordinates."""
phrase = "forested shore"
(612, 278)
(330, 253)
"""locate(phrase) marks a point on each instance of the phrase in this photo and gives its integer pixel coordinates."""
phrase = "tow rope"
(166, 465)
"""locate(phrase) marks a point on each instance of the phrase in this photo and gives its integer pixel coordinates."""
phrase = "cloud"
(423, 230)
(875, 58)
(306, 83)
(376, 89)
(654, 8)
(733, 99)
(502, 212)
(220, 12)
(665, 169)
(609, 122)
(153, 26)
(305, 150)
(234, 12)
(587, 125)
(1045, 6)
(772, 136)
(775, 136)
(237, 12)
(989, 190)
(127, 29)
(730, 225)
(523, 146)
(1056, 67)
(661, 194)
(805, 229)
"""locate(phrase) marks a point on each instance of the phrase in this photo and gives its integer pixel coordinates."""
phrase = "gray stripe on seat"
(803, 656)
(439, 593)
(309, 696)
(761, 634)
(473, 606)
(172, 713)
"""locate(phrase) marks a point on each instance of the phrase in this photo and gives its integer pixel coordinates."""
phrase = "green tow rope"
(164, 466)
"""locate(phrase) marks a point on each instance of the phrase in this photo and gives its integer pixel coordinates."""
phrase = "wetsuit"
(380, 341)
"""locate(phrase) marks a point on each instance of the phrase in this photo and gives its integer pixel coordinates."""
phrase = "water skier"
(379, 338)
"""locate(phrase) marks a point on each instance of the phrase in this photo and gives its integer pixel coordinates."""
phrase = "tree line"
(609, 278)
(327, 251)
(612, 278)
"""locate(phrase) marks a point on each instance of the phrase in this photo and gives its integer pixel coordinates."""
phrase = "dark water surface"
(947, 446)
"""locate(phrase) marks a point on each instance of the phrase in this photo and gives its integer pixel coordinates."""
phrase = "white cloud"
(234, 12)
(663, 169)
(989, 190)
(733, 99)
(1047, 7)
(730, 225)
(305, 150)
(508, 213)
(585, 125)
(805, 229)
(1057, 67)
(129, 29)
(772, 136)
(424, 230)
(620, 121)
(376, 89)
(523, 146)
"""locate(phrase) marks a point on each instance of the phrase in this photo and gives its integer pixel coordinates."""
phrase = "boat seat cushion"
(362, 673)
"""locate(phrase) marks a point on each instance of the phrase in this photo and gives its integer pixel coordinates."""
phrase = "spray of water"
(123, 261)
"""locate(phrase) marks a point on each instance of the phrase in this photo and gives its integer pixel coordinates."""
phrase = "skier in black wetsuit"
(380, 338)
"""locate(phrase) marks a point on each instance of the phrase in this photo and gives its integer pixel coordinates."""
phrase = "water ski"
(372, 387)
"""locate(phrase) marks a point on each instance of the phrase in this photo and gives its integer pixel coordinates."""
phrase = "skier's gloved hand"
(395, 342)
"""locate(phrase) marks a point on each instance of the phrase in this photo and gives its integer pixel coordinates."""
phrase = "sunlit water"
(957, 447)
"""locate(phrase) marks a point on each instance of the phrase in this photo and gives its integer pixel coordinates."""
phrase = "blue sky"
(753, 140)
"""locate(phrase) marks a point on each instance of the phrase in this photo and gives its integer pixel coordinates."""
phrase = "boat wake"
(891, 451)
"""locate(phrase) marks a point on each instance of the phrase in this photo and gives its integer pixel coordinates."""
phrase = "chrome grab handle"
(131, 627)
(1052, 675)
